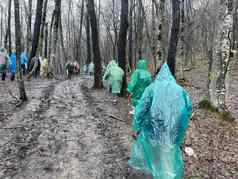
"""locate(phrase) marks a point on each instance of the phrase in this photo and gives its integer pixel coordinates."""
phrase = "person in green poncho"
(160, 122)
(106, 77)
(113, 77)
(140, 79)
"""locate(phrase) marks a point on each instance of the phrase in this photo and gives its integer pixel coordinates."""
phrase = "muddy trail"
(66, 130)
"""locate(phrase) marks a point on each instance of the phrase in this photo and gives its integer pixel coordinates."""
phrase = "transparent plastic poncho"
(140, 79)
(113, 77)
(161, 119)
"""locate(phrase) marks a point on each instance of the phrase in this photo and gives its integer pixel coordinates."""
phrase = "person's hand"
(135, 135)
(129, 99)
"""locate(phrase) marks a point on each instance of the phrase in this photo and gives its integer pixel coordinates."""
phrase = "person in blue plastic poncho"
(24, 61)
(13, 65)
(161, 120)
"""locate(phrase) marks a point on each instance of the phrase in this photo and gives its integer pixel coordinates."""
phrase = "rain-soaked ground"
(69, 131)
(66, 130)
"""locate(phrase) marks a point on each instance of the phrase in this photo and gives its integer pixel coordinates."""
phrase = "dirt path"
(66, 131)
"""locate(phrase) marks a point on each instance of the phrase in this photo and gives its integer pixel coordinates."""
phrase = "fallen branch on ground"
(115, 117)
(12, 95)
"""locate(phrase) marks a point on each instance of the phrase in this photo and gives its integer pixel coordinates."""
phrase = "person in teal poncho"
(113, 77)
(161, 120)
(140, 79)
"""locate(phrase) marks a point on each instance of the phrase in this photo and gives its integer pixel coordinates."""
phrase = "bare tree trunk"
(46, 41)
(29, 34)
(56, 29)
(224, 55)
(8, 33)
(96, 49)
(130, 38)
(35, 41)
(88, 39)
(80, 31)
(43, 27)
(20, 81)
(1, 25)
(50, 40)
(174, 36)
(182, 54)
(140, 29)
(122, 40)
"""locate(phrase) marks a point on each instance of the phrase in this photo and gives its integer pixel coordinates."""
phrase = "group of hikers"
(8, 64)
(162, 112)
(160, 119)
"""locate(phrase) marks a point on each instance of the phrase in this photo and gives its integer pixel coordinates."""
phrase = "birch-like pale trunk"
(222, 57)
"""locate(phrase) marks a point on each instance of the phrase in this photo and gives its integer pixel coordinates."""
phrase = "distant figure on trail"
(44, 71)
(106, 80)
(24, 61)
(13, 65)
(69, 69)
(4, 59)
(72, 68)
(160, 122)
(91, 69)
(140, 79)
(113, 77)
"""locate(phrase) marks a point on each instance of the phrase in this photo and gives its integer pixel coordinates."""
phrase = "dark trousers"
(23, 67)
(12, 76)
(4, 76)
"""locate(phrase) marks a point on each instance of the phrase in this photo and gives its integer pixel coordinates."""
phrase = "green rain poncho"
(113, 77)
(140, 79)
(161, 118)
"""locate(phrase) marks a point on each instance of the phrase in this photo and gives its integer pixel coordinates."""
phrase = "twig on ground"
(10, 92)
(115, 117)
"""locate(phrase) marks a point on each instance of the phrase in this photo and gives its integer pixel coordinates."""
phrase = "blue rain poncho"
(140, 79)
(13, 63)
(114, 77)
(161, 119)
(24, 58)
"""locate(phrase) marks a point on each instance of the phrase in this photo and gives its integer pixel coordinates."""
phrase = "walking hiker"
(3, 63)
(113, 78)
(160, 122)
(24, 61)
(140, 79)
(13, 65)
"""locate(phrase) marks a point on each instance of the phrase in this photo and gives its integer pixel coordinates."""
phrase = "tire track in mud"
(115, 154)
(24, 134)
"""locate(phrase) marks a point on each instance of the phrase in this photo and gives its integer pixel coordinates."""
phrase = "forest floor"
(67, 130)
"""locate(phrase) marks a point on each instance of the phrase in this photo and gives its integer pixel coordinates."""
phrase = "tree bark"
(50, 40)
(8, 41)
(130, 38)
(95, 43)
(46, 41)
(57, 12)
(29, 34)
(89, 58)
(122, 41)
(174, 36)
(35, 41)
(80, 30)
(43, 26)
(20, 81)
